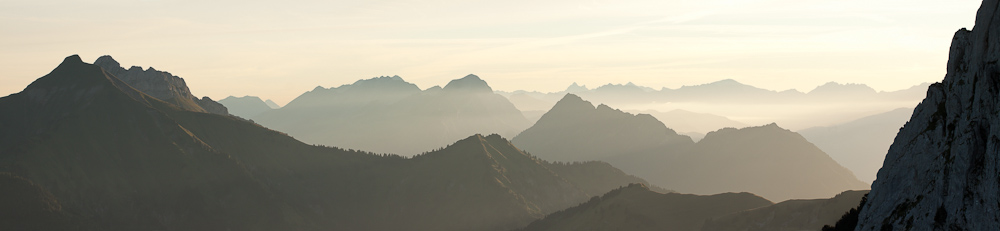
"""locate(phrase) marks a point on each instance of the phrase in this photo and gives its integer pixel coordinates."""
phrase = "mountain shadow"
(635, 207)
(390, 115)
(115, 158)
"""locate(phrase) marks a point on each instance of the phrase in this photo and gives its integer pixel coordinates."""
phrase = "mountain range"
(828, 104)
(767, 160)
(389, 115)
(86, 150)
(722, 91)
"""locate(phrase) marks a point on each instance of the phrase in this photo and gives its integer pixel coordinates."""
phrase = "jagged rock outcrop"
(161, 85)
(942, 171)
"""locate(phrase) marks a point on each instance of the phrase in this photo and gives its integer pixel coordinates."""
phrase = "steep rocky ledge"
(942, 171)
(161, 85)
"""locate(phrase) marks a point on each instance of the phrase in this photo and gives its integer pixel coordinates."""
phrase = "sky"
(280, 49)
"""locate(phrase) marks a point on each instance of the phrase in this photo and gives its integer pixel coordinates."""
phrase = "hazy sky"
(279, 49)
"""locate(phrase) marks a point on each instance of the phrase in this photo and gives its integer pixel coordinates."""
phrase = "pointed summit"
(73, 59)
(572, 103)
(107, 61)
(469, 83)
(575, 130)
(272, 104)
(575, 88)
(75, 75)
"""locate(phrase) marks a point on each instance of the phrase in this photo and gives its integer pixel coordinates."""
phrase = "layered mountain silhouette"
(85, 145)
(942, 170)
(161, 85)
(575, 130)
(635, 207)
(246, 106)
(790, 215)
(860, 145)
(768, 160)
(390, 115)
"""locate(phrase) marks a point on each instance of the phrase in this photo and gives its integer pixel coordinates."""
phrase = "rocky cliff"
(942, 171)
(161, 85)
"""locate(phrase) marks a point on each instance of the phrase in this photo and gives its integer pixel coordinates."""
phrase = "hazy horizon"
(279, 50)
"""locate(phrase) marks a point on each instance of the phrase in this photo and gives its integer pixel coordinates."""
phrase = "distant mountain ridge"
(724, 91)
(389, 115)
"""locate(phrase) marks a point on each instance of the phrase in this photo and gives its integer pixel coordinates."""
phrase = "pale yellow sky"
(279, 49)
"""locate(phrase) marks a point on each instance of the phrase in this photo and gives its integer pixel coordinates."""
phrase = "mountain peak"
(106, 61)
(74, 59)
(574, 88)
(572, 102)
(470, 83)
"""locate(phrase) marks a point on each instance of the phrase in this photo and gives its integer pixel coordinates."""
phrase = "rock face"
(161, 85)
(942, 171)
